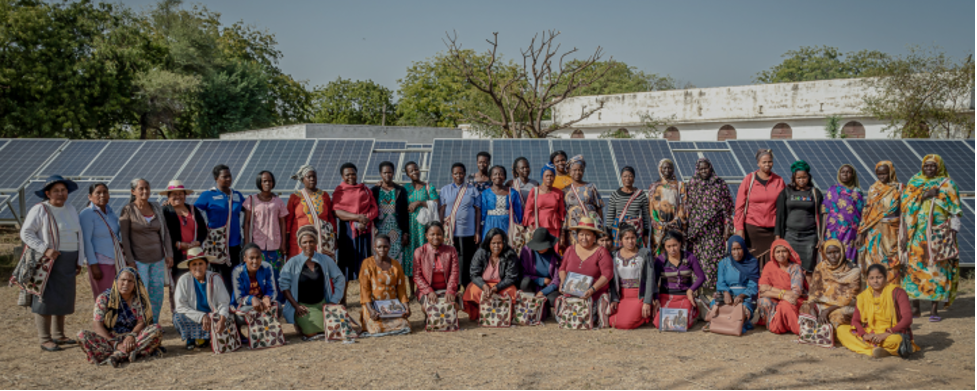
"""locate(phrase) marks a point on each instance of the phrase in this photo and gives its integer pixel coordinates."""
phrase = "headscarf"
(892, 171)
(356, 199)
(302, 171)
(661, 164)
(793, 257)
(853, 183)
(306, 230)
(749, 267)
(838, 284)
(576, 160)
(547, 167)
(761, 152)
(941, 168)
(800, 165)
(115, 299)
(714, 203)
(883, 200)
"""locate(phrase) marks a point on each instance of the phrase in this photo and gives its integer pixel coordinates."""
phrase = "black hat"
(541, 240)
(53, 179)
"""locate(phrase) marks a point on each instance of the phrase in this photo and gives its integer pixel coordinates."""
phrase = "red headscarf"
(356, 199)
(793, 257)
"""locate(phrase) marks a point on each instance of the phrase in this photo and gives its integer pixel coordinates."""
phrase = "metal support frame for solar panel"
(382, 152)
(32, 161)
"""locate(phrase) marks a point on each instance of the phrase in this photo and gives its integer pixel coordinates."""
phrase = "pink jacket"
(762, 211)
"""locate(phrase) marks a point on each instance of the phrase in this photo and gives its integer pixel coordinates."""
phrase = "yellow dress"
(878, 314)
(377, 284)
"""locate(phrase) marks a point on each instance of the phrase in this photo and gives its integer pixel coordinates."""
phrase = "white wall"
(805, 128)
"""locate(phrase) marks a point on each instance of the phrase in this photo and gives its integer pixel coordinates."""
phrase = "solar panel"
(73, 158)
(745, 153)
(282, 157)
(330, 154)
(373, 169)
(644, 156)
(506, 151)
(112, 158)
(723, 162)
(601, 170)
(20, 158)
(825, 158)
(733, 190)
(78, 199)
(959, 159)
(896, 151)
(684, 161)
(450, 151)
(966, 235)
(157, 162)
(3, 142)
(199, 171)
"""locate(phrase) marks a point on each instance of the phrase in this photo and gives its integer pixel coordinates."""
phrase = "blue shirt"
(201, 289)
(213, 203)
(543, 269)
(465, 218)
(96, 235)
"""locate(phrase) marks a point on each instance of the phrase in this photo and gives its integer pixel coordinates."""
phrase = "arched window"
(576, 134)
(671, 134)
(727, 132)
(623, 133)
(853, 129)
(782, 131)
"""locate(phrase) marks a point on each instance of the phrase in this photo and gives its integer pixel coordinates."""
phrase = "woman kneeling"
(123, 324)
(199, 295)
(882, 316)
(381, 278)
(495, 270)
(310, 280)
(633, 288)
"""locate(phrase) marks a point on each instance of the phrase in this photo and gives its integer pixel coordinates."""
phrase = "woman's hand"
(257, 305)
(547, 281)
(880, 338)
(301, 310)
(691, 296)
(450, 297)
(127, 345)
(205, 323)
(791, 297)
(52, 253)
(540, 294)
(407, 313)
(169, 262)
(868, 337)
(77, 270)
(220, 323)
(613, 308)
(363, 220)
(824, 315)
(432, 297)
(646, 310)
(416, 204)
(739, 300)
(96, 272)
(727, 298)
(373, 314)
(931, 193)
(194, 244)
(588, 293)
(739, 232)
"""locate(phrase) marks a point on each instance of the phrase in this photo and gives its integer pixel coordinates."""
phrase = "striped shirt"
(638, 208)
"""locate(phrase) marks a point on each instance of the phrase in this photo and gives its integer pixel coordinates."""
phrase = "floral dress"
(710, 210)
(880, 225)
(98, 349)
(378, 284)
(417, 238)
(843, 206)
(388, 223)
(582, 202)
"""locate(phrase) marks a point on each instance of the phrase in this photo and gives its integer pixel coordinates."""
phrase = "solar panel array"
(957, 156)
(684, 161)
(157, 162)
(113, 158)
(601, 170)
(26, 154)
(745, 152)
(330, 154)
(450, 151)
(373, 170)
(505, 153)
(826, 157)
(198, 172)
(282, 157)
(74, 158)
(643, 156)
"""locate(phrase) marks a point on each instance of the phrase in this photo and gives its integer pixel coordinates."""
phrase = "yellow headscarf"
(115, 299)
(941, 167)
(884, 306)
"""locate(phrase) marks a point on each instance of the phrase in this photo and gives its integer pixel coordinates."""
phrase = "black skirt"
(58, 297)
(805, 244)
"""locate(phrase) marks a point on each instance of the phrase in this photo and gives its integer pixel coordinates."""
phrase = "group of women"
(780, 249)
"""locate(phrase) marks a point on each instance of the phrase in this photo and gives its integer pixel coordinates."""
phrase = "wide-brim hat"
(175, 185)
(194, 254)
(587, 223)
(542, 240)
(55, 179)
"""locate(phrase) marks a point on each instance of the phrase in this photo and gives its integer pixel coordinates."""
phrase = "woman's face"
(703, 170)
(833, 253)
(458, 175)
(57, 194)
(673, 248)
(99, 197)
(349, 176)
(413, 172)
(765, 163)
(498, 177)
(586, 238)
(629, 240)
(876, 280)
(736, 251)
(435, 236)
(522, 169)
(252, 258)
(606, 242)
(929, 168)
(576, 172)
(627, 179)
(548, 178)
(127, 283)
(781, 254)
(198, 268)
(142, 191)
(267, 183)
(497, 244)
(560, 162)
(668, 170)
(387, 174)
(309, 244)
(224, 179)
(802, 178)
(882, 172)
(177, 198)
(310, 180)
(482, 162)
(845, 174)
(381, 247)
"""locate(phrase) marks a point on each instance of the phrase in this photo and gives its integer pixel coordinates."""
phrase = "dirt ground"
(544, 357)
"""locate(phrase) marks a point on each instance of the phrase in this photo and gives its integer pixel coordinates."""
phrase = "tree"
(345, 101)
(620, 78)
(924, 94)
(832, 127)
(822, 63)
(523, 100)
(234, 98)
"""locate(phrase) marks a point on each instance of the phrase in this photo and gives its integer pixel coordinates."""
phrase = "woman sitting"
(200, 294)
(310, 280)
(123, 324)
(541, 266)
(679, 276)
(782, 286)
(738, 279)
(834, 286)
(436, 266)
(882, 315)
(588, 259)
(254, 285)
(495, 270)
(633, 288)
(383, 279)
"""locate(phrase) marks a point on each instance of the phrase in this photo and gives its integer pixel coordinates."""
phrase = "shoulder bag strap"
(575, 194)
(536, 206)
(315, 218)
(457, 204)
(749, 189)
(929, 225)
(251, 226)
(117, 247)
(637, 192)
(509, 200)
(53, 228)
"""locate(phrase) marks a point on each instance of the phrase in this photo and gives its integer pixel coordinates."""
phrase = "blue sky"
(708, 43)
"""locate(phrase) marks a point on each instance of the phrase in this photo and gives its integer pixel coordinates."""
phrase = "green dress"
(388, 222)
(417, 239)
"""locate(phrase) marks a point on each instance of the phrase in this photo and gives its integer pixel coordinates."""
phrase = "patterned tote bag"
(338, 324)
(814, 332)
(218, 239)
(327, 237)
(495, 312)
(228, 339)
(574, 313)
(528, 310)
(33, 269)
(441, 315)
(264, 329)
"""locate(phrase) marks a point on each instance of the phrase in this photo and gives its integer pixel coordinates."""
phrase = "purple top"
(678, 279)
(530, 269)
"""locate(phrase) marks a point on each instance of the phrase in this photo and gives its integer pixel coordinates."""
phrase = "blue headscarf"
(547, 167)
(749, 267)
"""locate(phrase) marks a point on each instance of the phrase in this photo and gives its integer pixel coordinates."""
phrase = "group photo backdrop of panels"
(27, 162)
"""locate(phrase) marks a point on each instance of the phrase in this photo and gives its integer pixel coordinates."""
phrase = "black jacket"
(173, 225)
(510, 269)
(648, 288)
(400, 205)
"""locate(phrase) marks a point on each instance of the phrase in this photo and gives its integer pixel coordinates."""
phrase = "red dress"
(298, 216)
(552, 211)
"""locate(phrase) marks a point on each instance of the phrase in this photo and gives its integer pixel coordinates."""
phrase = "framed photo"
(673, 319)
(389, 308)
(577, 284)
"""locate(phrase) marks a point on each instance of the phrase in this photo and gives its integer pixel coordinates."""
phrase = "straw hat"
(194, 254)
(175, 185)
(588, 224)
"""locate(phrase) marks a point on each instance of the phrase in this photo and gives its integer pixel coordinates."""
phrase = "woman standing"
(462, 217)
(582, 199)
(679, 276)
(756, 206)
(799, 219)
(383, 279)
(634, 283)
(420, 193)
(495, 270)
(392, 217)
(62, 242)
(628, 205)
(881, 318)
(310, 280)
(931, 203)
(545, 206)
(264, 221)
(305, 207)
(559, 161)
(100, 230)
(738, 280)
(123, 326)
(186, 226)
(497, 202)
(843, 204)
(520, 178)
(709, 206)
(878, 235)
(665, 204)
(220, 203)
(354, 205)
(782, 287)
(480, 179)
(147, 241)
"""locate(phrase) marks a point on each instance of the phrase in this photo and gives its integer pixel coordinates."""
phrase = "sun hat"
(588, 224)
(55, 179)
(175, 185)
(194, 254)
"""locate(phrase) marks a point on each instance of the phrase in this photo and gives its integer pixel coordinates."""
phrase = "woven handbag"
(264, 329)
(32, 271)
(338, 324)
(218, 239)
(495, 312)
(441, 315)
(814, 332)
(528, 310)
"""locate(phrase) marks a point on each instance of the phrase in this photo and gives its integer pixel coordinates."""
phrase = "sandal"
(935, 319)
(55, 348)
(66, 341)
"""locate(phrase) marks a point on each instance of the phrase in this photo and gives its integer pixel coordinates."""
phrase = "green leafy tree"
(620, 79)
(234, 98)
(832, 127)
(345, 101)
(822, 63)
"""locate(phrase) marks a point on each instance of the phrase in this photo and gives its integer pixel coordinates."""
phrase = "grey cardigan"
(648, 289)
